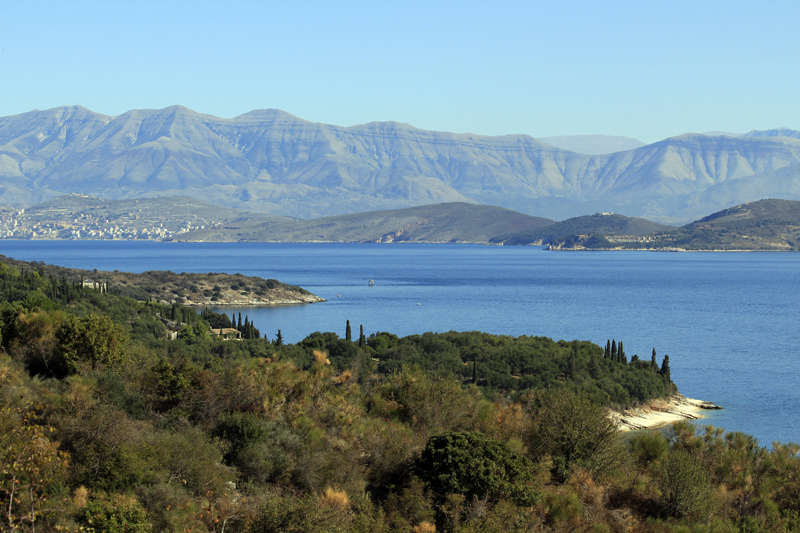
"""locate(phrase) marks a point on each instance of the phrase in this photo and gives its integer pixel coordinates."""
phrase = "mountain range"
(271, 161)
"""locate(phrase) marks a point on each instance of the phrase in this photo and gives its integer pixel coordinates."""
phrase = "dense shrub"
(477, 466)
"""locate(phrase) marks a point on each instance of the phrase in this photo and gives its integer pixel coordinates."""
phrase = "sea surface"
(729, 321)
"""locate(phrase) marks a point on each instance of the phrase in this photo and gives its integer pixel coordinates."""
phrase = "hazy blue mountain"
(272, 161)
(777, 132)
(593, 144)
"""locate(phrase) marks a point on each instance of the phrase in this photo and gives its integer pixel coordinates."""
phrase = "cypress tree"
(607, 353)
(653, 363)
(361, 339)
(614, 350)
(621, 354)
(348, 334)
(572, 361)
(665, 369)
(239, 324)
(279, 339)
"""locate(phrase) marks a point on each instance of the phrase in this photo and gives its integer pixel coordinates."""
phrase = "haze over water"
(729, 321)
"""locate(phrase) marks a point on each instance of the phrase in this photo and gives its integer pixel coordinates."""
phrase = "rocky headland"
(186, 288)
(659, 412)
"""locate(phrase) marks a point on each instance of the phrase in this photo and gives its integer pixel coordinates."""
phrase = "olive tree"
(93, 339)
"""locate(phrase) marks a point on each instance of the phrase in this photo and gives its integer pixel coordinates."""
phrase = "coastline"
(659, 413)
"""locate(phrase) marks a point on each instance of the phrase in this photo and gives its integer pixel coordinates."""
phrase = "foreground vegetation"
(107, 426)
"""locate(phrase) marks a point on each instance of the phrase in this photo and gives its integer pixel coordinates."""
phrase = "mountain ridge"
(272, 161)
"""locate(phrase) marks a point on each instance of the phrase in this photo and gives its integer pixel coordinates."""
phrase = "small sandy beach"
(661, 412)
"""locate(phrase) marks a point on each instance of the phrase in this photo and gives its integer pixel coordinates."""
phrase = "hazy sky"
(646, 69)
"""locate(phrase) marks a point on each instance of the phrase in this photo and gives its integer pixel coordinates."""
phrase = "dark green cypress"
(665, 373)
(239, 325)
(279, 339)
(621, 354)
(361, 339)
(348, 334)
(607, 353)
(653, 363)
(613, 350)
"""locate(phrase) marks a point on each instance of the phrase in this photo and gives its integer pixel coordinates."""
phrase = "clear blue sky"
(647, 69)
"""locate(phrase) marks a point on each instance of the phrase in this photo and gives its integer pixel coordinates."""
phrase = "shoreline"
(659, 413)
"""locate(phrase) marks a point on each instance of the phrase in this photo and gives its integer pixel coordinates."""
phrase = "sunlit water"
(729, 321)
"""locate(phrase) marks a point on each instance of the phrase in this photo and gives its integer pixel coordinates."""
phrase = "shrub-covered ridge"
(107, 426)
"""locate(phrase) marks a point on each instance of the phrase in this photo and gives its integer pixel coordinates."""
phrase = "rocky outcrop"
(660, 413)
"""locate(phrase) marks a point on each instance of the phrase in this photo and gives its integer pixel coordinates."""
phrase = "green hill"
(761, 225)
(605, 224)
(451, 222)
(765, 225)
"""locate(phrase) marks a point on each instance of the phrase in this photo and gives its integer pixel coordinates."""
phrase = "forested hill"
(191, 289)
(107, 425)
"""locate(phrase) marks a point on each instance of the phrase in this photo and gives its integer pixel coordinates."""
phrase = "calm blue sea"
(729, 321)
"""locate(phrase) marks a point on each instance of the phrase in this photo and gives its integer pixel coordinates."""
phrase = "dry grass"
(80, 497)
(336, 498)
(344, 377)
(321, 357)
(425, 527)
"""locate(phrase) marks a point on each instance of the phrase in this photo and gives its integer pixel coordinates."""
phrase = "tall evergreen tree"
(279, 339)
(665, 369)
(361, 339)
(653, 363)
(607, 353)
(621, 354)
(614, 350)
(348, 334)
(239, 324)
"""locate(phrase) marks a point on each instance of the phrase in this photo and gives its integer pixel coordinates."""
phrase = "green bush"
(477, 466)
(123, 514)
(574, 431)
(684, 484)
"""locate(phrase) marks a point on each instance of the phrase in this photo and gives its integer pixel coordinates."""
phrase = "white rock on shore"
(660, 413)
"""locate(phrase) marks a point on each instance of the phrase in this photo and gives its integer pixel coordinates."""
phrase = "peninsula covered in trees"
(107, 424)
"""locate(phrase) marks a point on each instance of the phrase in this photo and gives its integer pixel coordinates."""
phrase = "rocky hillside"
(599, 223)
(274, 162)
(765, 225)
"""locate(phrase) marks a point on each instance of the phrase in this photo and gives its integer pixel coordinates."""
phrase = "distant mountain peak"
(593, 144)
(775, 132)
(269, 114)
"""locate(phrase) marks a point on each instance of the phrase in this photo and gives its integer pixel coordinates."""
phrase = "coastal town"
(82, 217)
